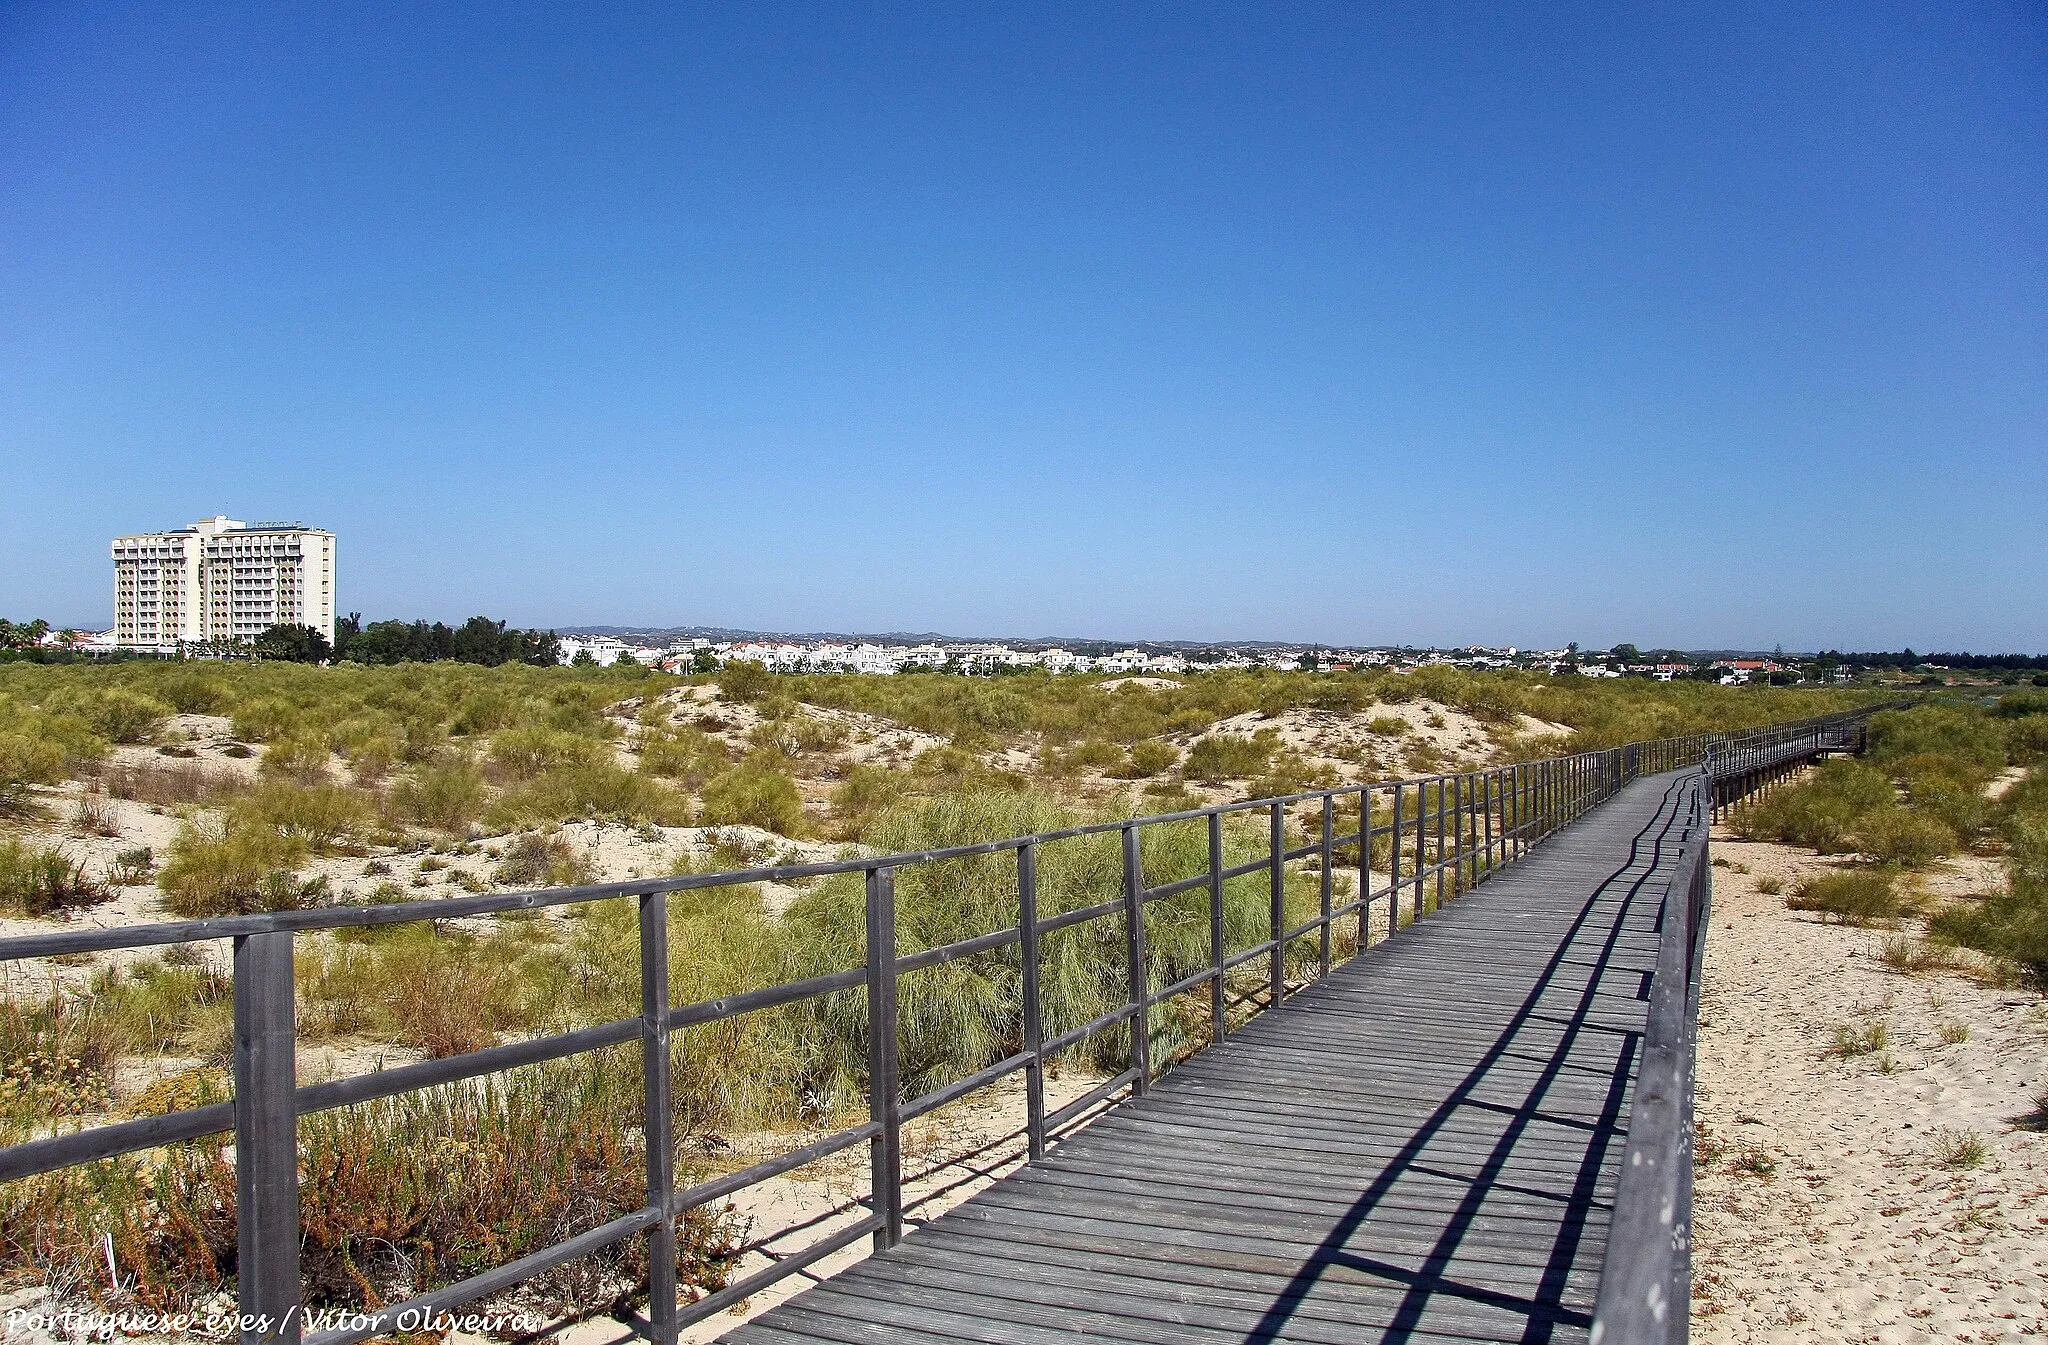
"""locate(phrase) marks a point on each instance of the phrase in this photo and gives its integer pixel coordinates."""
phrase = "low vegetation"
(461, 775)
(43, 880)
(1927, 790)
(1855, 897)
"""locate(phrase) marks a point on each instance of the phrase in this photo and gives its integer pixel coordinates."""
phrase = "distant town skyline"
(1718, 327)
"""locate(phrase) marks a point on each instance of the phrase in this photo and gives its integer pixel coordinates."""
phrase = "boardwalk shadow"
(1600, 921)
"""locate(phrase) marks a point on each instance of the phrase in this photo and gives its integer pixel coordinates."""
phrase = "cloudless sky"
(1721, 324)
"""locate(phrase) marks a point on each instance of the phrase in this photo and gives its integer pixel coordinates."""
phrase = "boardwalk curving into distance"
(1422, 1146)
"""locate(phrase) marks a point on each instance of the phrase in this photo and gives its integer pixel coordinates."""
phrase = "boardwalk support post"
(1134, 951)
(1034, 1018)
(266, 1141)
(657, 1126)
(1329, 817)
(1219, 1011)
(1276, 825)
(885, 1096)
(1394, 870)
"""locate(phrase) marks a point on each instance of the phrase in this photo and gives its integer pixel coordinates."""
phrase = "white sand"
(1862, 1234)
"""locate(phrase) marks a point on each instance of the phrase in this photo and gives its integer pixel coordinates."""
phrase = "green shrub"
(397, 1197)
(527, 752)
(318, 817)
(1849, 1040)
(598, 789)
(743, 681)
(26, 761)
(1852, 896)
(752, 795)
(2021, 704)
(1229, 756)
(298, 756)
(687, 754)
(218, 868)
(2027, 740)
(865, 792)
(543, 859)
(2012, 924)
(1149, 758)
(263, 718)
(192, 691)
(114, 713)
(1899, 836)
(1088, 754)
(1946, 730)
(153, 1006)
(964, 1014)
(38, 880)
(1289, 773)
(1822, 812)
(441, 991)
(133, 867)
(448, 795)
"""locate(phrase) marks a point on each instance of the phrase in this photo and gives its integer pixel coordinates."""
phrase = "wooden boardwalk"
(1423, 1146)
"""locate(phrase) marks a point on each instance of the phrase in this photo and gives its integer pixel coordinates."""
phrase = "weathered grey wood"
(1318, 1177)
(266, 1141)
(885, 1097)
(659, 1120)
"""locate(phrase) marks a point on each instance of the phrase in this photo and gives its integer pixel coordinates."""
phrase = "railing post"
(885, 1098)
(1034, 1018)
(1134, 949)
(1443, 805)
(1219, 1012)
(1456, 786)
(657, 1125)
(1511, 816)
(1276, 871)
(1329, 824)
(1421, 845)
(1364, 865)
(1394, 868)
(266, 1141)
(1487, 792)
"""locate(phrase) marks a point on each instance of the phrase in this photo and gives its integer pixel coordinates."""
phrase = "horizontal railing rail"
(1418, 843)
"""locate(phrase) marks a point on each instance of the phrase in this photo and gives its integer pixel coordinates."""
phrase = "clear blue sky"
(1718, 325)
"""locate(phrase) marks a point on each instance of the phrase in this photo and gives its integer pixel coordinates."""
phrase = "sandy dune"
(1826, 1213)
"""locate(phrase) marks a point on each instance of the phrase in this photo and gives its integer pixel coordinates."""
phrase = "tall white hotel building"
(222, 582)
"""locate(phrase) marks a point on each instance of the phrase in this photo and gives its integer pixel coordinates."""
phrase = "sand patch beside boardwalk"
(1861, 1232)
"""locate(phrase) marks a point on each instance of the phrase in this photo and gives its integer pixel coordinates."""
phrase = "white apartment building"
(221, 581)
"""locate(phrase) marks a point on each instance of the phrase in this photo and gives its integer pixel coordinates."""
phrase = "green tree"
(293, 644)
(743, 680)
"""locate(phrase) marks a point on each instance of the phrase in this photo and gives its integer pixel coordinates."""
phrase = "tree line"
(477, 640)
(1906, 659)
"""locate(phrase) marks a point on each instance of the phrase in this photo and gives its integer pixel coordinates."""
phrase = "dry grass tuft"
(1960, 1150)
(1851, 1040)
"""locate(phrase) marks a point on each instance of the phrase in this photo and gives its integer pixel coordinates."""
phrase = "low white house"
(604, 650)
